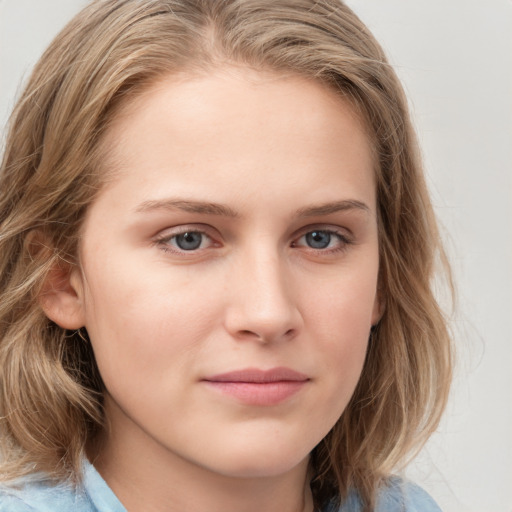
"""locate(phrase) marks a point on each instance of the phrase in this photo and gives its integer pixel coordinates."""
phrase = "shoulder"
(404, 495)
(33, 495)
(36, 494)
(398, 495)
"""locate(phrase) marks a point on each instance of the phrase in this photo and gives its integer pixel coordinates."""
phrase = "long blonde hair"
(50, 389)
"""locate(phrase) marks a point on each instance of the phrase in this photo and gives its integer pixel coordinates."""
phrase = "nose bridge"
(263, 304)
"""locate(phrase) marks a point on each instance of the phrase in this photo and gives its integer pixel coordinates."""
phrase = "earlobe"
(61, 297)
(378, 309)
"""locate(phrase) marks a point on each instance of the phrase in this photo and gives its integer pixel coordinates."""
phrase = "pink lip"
(259, 387)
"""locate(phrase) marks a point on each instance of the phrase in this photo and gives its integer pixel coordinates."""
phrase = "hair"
(50, 389)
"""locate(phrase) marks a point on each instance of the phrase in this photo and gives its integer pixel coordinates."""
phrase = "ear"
(61, 296)
(378, 308)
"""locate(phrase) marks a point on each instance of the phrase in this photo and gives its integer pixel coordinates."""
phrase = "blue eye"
(325, 240)
(189, 241)
(182, 240)
(318, 239)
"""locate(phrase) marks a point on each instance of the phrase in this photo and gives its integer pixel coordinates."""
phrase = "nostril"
(264, 337)
(247, 333)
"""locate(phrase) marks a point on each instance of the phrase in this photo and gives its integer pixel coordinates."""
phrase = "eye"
(322, 240)
(318, 239)
(189, 241)
(185, 241)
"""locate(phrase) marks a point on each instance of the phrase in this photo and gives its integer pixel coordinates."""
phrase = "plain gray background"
(455, 59)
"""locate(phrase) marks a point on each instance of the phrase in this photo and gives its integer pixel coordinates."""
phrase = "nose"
(263, 305)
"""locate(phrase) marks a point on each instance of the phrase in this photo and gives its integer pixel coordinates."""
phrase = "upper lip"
(255, 375)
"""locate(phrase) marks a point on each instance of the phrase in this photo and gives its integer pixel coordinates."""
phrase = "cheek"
(342, 345)
(344, 303)
(339, 321)
(142, 323)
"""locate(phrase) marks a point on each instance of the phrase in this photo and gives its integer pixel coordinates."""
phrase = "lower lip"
(258, 393)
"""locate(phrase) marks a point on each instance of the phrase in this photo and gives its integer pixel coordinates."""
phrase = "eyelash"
(164, 241)
(343, 240)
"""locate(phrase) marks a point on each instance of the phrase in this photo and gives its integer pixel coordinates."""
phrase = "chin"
(261, 463)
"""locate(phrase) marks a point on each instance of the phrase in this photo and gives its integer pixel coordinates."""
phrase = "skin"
(285, 158)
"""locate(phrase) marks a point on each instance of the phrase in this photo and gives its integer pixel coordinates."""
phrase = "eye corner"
(186, 240)
(322, 240)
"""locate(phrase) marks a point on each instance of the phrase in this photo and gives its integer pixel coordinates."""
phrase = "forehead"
(238, 124)
(198, 100)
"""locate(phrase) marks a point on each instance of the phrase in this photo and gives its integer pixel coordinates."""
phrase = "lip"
(253, 386)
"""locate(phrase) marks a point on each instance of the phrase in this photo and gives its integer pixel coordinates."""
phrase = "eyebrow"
(333, 207)
(188, 206)
(208, 208)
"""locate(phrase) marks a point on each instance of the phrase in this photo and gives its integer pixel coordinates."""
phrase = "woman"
(217, 248)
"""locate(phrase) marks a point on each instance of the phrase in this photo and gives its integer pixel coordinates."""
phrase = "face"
(229, 271)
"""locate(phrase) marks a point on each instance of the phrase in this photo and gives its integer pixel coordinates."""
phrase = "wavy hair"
(50, 389)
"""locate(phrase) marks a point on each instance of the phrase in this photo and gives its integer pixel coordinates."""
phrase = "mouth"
(252, 386)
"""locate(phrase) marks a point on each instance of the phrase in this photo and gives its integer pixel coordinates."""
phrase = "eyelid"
(166, 235)
(170, 231)
(343, 234)
(331, 228)
(163, 238)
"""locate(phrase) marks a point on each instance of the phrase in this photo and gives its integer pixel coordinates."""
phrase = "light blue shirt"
(34, 495)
